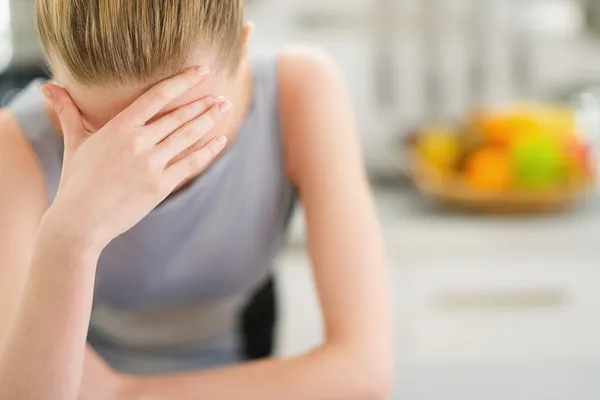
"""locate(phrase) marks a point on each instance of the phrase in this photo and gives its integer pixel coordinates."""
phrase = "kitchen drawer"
(507, 309)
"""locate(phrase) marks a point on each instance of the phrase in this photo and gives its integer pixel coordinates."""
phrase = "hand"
(115, 177)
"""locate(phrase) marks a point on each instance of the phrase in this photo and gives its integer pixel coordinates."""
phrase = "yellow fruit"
(502, 129)
(440, 148)
(504, 126)
(489, 169)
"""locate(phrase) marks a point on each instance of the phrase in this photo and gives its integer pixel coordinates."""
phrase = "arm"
(42, 350)
(110, 180)
(23, 202)
(355, 362)
(35, 263)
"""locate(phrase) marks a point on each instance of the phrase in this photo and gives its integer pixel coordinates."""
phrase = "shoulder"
(305, 69)
(314, 105)
(12, 138)
(18, 163)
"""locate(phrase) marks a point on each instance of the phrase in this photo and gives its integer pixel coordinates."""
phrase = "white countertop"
(410, 220)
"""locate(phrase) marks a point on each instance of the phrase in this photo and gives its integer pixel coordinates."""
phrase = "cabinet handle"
(517, 299)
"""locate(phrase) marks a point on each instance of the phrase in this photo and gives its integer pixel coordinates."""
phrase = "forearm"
(41, 353)
(327, 373)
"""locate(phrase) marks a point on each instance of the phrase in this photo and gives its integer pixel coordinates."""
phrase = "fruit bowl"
(453, 192)
(520, 159)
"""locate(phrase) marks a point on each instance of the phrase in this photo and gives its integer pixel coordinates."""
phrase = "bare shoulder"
(13, 144)
(315, 108)
(303, 64)
(20, 169)
(307, 71)
(8, 123)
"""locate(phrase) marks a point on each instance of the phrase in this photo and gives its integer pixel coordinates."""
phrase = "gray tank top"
(169, 292)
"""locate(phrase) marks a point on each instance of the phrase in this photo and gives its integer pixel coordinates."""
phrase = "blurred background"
(480, 126)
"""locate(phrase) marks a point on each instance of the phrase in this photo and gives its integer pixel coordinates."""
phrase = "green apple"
(539, 161)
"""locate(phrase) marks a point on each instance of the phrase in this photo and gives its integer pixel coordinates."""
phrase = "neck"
(242, 99)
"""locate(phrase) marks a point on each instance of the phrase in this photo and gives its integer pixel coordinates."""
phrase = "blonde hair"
(138, 41)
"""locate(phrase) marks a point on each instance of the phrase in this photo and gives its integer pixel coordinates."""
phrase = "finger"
(196, 162)
(166, 125)
(68, 115)
(160, 95)
(189, 134)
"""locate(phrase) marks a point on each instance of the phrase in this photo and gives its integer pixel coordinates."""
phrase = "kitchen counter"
(410, 220)
(486, 307)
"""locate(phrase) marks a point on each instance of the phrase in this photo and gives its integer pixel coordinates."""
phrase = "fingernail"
(48, 94)
(225, 106)
(217, 145)
(202, 71)
(222, 141)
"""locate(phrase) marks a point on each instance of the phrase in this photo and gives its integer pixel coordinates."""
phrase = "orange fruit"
(503, 129)
(489, 169)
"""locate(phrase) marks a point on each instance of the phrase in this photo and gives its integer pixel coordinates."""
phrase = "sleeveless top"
(169, 292)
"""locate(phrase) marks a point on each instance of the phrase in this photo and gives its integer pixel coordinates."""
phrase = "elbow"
(369, 376)
(373, 385)
(381, 387)
(374, 369)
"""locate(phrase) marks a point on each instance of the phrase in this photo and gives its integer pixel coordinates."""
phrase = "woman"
(145, 197)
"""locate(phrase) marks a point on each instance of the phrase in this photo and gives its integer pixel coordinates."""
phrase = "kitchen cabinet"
(495, 308)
